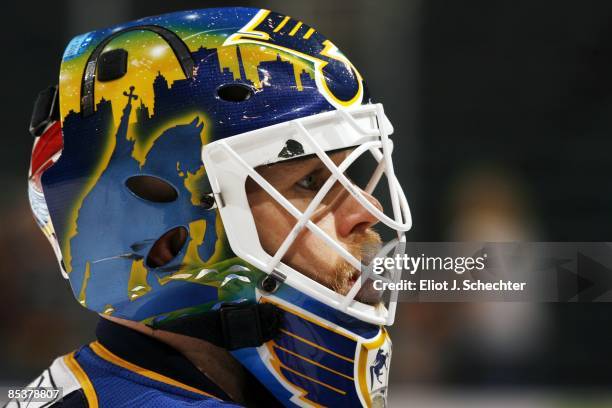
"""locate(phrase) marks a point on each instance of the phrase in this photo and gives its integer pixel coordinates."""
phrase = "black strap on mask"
(46, 110)
(233, 326)
(180, 49)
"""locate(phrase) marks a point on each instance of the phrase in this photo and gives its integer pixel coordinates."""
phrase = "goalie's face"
(339, 215)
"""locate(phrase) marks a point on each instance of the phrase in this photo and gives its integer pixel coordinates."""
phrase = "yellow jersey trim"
(83, 379)
(311, 361)
(339, 391)
(310, 343)
(107, 355)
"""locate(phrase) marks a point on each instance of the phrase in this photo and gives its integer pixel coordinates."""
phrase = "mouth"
(367, 293)
(353, 278)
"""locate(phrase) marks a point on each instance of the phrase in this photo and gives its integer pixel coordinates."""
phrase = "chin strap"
(233, 326)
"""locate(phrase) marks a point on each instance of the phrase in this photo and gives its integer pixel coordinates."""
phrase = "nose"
(352, 217)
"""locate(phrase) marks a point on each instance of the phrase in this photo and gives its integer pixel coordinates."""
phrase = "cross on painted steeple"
(131, 95)
(125, 117)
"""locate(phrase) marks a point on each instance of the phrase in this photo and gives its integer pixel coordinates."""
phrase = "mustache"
(362, 247)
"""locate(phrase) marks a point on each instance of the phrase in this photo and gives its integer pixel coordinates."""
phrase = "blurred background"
(502, 112)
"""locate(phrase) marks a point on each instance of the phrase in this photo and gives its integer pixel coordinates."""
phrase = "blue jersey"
(94, 376)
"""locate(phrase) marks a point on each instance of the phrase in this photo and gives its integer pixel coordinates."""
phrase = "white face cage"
(230, 161)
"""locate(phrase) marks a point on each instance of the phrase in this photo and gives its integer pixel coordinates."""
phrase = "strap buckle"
(241, 325)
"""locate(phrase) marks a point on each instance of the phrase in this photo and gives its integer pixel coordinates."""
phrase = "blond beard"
(343, 273)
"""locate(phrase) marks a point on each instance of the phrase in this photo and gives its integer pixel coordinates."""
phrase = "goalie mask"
(142, 167)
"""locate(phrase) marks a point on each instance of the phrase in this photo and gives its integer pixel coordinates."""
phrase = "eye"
(310, 182)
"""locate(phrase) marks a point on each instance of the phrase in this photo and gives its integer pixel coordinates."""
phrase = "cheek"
(314, 257)
(315, 249)
(273, 224)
